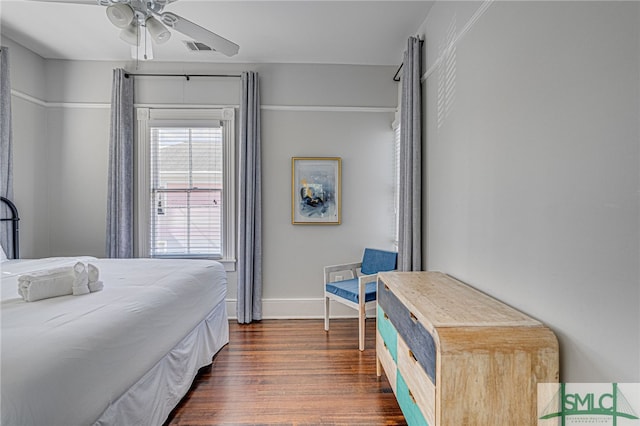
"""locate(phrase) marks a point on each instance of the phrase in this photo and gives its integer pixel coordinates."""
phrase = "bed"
(125, 355)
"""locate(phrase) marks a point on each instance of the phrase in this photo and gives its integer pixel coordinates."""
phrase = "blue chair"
(359, 290)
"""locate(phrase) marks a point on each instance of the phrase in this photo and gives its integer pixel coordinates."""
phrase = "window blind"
(396, 176)
(186, 191)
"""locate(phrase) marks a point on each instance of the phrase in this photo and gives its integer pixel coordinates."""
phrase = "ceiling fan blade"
(197, 33)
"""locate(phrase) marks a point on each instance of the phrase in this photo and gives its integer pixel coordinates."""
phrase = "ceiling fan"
(138, 19)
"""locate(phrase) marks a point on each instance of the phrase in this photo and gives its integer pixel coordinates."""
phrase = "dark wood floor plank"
(291, 372)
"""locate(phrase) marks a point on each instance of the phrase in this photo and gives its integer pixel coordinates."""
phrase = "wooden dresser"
(457, 357)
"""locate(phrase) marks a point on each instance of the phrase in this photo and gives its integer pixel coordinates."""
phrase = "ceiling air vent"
(196, 46)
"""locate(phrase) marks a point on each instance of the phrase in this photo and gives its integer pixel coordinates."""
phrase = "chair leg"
(326, 313)
(361, 323)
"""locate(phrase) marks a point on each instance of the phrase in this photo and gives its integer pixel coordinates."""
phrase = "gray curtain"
(120, 190)
(249, 306)
(6, 149)
(410, 232)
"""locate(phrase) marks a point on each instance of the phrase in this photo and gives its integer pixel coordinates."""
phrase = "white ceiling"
(302, 31)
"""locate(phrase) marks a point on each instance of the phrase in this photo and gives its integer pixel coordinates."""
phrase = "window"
(185, 183)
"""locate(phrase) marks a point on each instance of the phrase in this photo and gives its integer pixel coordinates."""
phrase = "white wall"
(308, 110)
(532, 155)
(31, 180)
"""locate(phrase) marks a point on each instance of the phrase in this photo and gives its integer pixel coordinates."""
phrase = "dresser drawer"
(422, 388)
(387, 362)
(414, 334)
(388, 333)
(407, 403)
(421, 343)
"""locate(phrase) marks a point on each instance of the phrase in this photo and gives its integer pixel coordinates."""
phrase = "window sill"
(229, 264)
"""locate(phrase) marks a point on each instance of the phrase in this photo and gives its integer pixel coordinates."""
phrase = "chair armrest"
(364, 279)
(362, 284)
(367, 278)
(343, 267)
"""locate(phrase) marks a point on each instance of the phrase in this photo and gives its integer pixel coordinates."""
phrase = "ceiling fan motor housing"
(136, 17)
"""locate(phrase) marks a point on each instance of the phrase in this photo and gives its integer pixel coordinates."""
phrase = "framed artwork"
(316, 190)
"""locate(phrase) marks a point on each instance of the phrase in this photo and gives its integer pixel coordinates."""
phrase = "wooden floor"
(291, 372)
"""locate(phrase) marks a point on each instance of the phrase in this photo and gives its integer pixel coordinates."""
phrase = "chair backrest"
(374, 261)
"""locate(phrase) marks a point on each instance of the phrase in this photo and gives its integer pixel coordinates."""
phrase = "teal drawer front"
(410, 410)
(388, 333)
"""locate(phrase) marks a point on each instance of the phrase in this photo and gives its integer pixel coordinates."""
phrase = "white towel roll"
(45, 284)
(81, 279)
(55, 282)
(94, 272)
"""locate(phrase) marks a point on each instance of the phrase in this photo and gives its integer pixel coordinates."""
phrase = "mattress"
(70, 360)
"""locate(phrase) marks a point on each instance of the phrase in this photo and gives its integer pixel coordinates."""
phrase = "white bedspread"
(64, 359)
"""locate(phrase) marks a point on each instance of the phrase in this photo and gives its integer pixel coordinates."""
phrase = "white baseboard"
(299, 309)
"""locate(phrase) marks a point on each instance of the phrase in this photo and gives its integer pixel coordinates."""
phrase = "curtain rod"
(396, 77)
(187, 76)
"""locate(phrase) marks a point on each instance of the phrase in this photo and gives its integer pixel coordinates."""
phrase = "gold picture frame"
(316, 194)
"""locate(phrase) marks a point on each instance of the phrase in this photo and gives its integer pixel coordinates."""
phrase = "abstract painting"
(315, 190)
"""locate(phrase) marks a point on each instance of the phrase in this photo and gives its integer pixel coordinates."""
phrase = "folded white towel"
(96, 286)
(93, 272)
(46, 288)
(81, 280)
(46, 283)
(55, 282)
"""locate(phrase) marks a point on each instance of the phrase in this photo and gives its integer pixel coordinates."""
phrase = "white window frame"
(149, 117)
(396, 179)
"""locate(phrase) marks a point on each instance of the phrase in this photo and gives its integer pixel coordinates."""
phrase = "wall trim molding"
(291, 108)
(28, 98)
(318, 108)
(463, 32)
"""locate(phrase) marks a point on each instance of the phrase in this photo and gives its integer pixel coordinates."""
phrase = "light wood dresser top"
(442, 301)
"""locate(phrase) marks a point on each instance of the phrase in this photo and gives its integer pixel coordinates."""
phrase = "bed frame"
(14, 219)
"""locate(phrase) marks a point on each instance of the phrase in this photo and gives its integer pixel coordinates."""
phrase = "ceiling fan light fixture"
(159, 33)
(131, 35)
(120, 14)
